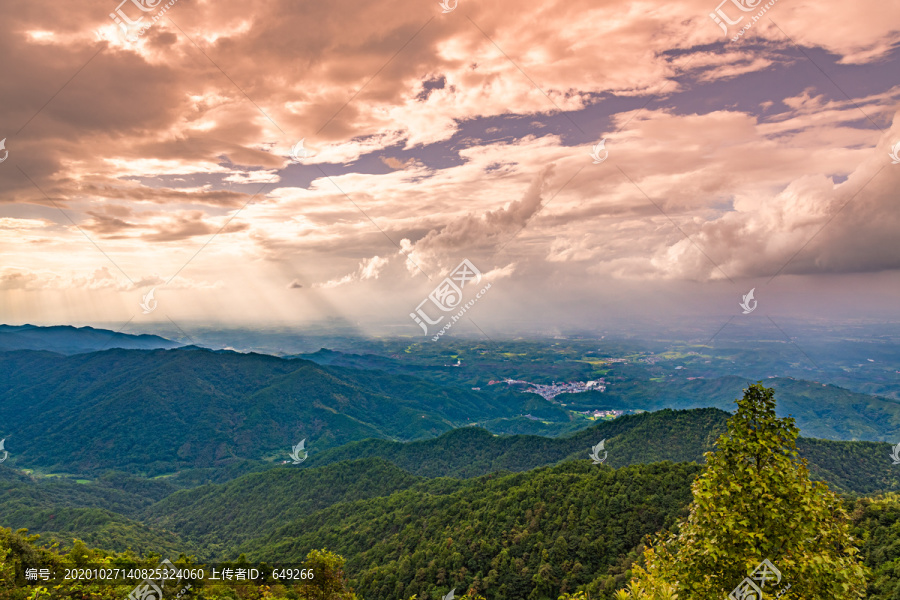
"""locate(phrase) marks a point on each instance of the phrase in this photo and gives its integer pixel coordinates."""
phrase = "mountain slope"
(65, 339)
(219, 518)
(675, 435)
(551, 529)
(216, 518)
(469, 452)
(100, 514)
(159, 411)
(516, 536)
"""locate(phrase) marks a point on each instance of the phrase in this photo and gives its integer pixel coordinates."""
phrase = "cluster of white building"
(548, 392)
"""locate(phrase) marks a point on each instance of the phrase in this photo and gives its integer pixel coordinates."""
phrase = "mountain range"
(217, 520)
(160, 411)
(66, 339)
(185, 410)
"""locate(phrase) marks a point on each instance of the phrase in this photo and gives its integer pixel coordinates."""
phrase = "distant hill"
(675, 435)
(823, 411)
(159, 411)
(679, 436)
(65, 339)
(153, 412)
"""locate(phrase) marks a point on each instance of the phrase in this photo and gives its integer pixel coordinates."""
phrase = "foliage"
(19, 553)
(214, 519)
(675, 435)
(524, 535)
(755, 501)
(100, 514)
(876, 522)
(330, 582)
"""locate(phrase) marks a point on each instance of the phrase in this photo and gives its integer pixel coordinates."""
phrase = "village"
(548, 392)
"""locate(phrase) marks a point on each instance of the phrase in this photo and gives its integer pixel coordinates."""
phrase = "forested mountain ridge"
(500, 535)
(674, 435)
(260, 502)
(218, 517)
(66, 339)
(550, 529)
(876, 522)
(159, 411)
(155, 412)
(471, 451)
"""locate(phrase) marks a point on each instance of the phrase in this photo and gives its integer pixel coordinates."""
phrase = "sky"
(594, 162)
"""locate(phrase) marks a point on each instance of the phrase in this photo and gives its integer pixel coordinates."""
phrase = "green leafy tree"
(329, 581)
(754, 501)
(7, 568)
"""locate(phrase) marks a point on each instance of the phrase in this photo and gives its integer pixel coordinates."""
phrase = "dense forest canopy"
(571, 529)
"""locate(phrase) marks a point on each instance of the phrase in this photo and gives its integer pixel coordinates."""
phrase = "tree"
(7, 568)
(755, 501)
(329, 581)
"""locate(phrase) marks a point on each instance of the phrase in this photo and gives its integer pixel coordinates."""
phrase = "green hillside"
(675, 435)
(213, 520)
(217, 518)
(550, 530)
(468, 452)
(168, 412)
(102, 513)
(161, 411)
(569, 520)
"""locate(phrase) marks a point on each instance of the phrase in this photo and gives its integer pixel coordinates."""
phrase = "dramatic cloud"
(433, 137)
(473, 232)
(368, 269)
